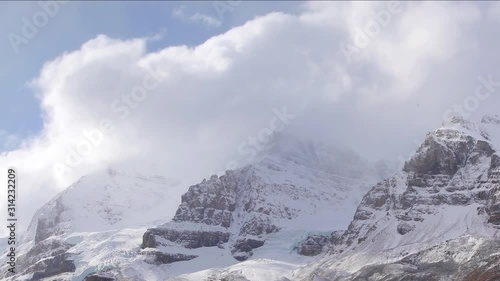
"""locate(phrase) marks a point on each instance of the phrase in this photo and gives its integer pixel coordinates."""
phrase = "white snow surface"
(108, 200)
(442, 223)
(104, 215)
(101, 211)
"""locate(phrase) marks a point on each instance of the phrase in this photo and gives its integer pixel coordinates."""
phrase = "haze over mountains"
(293, 190)
(290, 104)
(211, 94)
(305, 211)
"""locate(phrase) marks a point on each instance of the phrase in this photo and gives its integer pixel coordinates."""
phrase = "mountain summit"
(79, 221)
(431, 220)
(98, 226)
(304, 211)
(297, 188)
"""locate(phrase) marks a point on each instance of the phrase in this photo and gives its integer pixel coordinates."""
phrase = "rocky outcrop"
(40, 251)
(445, 151)
(242, 248)
(313, 245)
(157, 257)
(190, 239)
(213, 203)
(88, 206)
(449, 189)
(210, 203)
(53, 266)
(46, 259)
(462, 259)
(97, 277)
(235, 214)
(47, 226)
(239, 210)
(450, 168)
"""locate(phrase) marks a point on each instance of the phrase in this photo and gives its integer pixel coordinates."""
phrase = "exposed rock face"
(53, 266)
(90, 231)
(449, 189)
(450, 169)
(89, 205)
(48, 226)
(45, 259)
(405, 227)
(434, 158)
(96, 277)
(157, 257)
(40, 251)
(488, 269)
(242, 248)
(211, 204)
(214, 203)
(241, 208)
(313, 245)
(187, 238)
(462, 259)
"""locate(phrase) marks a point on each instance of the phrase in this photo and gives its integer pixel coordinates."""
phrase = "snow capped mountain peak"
(488, 128)
(99, 208)
(291, 191)
(102, 201)
(319, 155)
(299, 198)
(447, 190)
(297, 188)
(491, 119)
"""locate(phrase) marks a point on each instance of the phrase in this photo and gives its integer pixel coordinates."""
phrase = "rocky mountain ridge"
(97, 228)
(304, 212)
(241, 208)
(104, 202)
(446, 193)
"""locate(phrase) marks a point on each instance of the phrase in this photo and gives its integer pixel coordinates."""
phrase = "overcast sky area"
(179, 89)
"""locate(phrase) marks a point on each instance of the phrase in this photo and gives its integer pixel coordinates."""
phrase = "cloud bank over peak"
(186, 112)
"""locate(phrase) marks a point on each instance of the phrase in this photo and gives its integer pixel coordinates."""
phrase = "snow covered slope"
(97, 227)
(299, 186)
(100, 202)
(408, 226)
(263, 210)
(95, 208)
(437, 219)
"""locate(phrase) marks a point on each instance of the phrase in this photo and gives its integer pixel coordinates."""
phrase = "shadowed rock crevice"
(158, 258)
(189, 239)
(53, 266)
(99, 277)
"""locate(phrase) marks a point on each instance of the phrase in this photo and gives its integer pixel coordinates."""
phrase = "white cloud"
(403, 39)
(211, 21)
(210, 98)
(494, 11)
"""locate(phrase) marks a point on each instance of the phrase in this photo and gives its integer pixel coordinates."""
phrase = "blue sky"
(78, 22)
